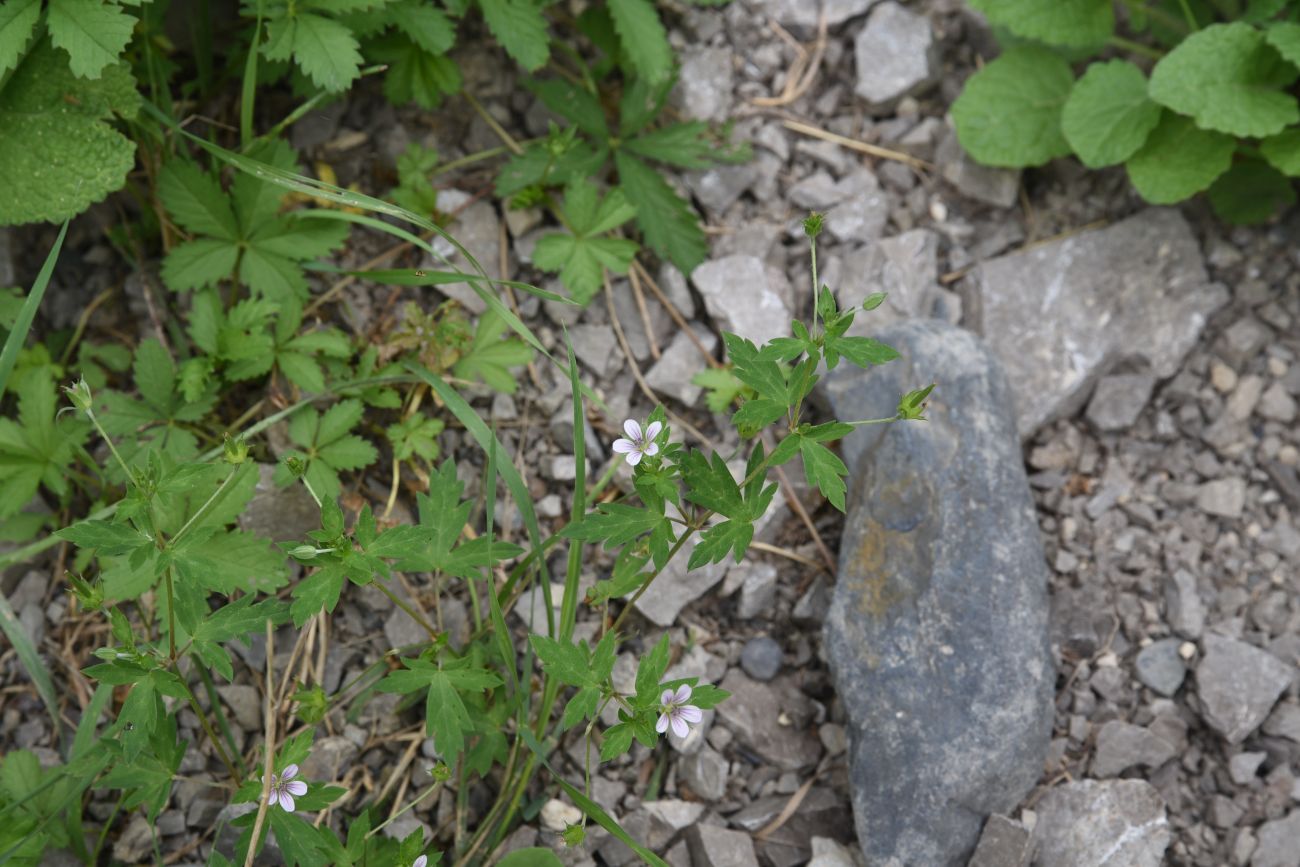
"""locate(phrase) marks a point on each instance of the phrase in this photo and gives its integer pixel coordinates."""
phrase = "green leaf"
(824, 470)
(1083, 23)
(109, 539)
(1228, 79)
(711, 485)
(1178, 160)
(720, 539)
(17, 24)
(670, 226)
(575, 103)
(424, 23)
(650, 671)
(57, 155)
(227, 561)
(1285, 37)
(582, 706)
(326, 51)
(1108, 115)
(615, 524)
(316, 593)
(757, 368)
(520, 28)
(1250, 192)
(1009, 114)
(93, 32)
(491, 355)
(1283, 152)
(617, 741)
(860, 351)
(568, 663)
(415, 75)
(685, 145)
(644, 40)
(38, 448)
(239, 618)
(196, 200)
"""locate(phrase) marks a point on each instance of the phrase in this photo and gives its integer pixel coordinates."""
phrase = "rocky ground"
(1151, 361)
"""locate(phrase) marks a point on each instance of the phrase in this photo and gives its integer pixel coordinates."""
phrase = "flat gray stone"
(285, 514)
(1112, 823)
(1225, 498)
(705, 773)
(329, 759)
(1160, 667)
(1284, 721)
(757, 591)
(761, 658)
(1003, 843)
(1122, 745)
(1238, 684)
(1119, 400)
(1279, 843)
(938, 631)
(706, 82)
(895, 55)
(862, 215)
(714, 846)
(1243, 767)
(905, 267)
(675, 588)
(800, 16)
(677, 365)
(754, 713)
(477, 228)
(1062, 314)
(744, 297)
(1184, 607)
(987, 184)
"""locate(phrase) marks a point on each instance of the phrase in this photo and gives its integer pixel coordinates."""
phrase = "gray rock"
(1284, 721)
(596, 346)
(905, 267)
(1243, 767)
(1062, 314)
(938, 632)
(1225, 498)
(705, 773)
(1243, 340)
(755, 712)
(827, 852)
(743, 298)
(1278, 843)
(1238, 684)
(679, 362)
(1003, 843)
(1277, 405)
(1115, 823)
(477, 228)
(245, 704)
(135, 842)
(713, 846)
(329, 759)
(1121, 746)
(705, 84)
(1160, 667)
(864, 212)
(675, 588)
(1184, 606)
(1119, 400)
(757, 591)
(992, 186)
(895, 55)
(817, 192)
(280, 514)
(823, 812)
(721, 187)
(800, 16)
(761, 658)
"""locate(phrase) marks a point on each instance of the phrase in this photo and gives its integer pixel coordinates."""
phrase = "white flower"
(422, 861)
(676, 712)
(284, 788)
(637, 444)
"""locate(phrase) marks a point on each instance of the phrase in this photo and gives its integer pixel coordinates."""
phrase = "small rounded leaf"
(1178, 160)
(1108, 115)
(1250, 192)
(1010, 111)
(1283, 152)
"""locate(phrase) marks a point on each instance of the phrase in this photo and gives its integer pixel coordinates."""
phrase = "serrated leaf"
(239, 618)
(711, 485)
(582, 706)
(109, 539)
(316, 593)
(1228, 79)
(670, 226)
(520, 28)
(199, 263)
(825, 470)
(1009, 113)
(93, 32)
(1285, 37)
(719, 540)
(615, 524)
(1178, 160)
(1283, 152)
(227, 561)
(1083, 23)
(17, 25)
(326, 51)
(575, 103)
(1250, 192)
(568, 663)
(756, 368)
(1108, 115)
(424, 23)
(196, 201)
(685, 145)
(617, 740)
(650, 671)
(415, 75)
(57, 155)
(643, 38)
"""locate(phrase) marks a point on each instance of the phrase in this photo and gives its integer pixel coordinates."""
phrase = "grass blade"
(27, 314)
(31, 660)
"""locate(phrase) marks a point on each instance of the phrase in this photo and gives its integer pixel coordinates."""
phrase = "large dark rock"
(937, 635)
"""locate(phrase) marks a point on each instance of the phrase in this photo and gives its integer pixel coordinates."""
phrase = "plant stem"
(268, 762)
(171, 616)
(872, 421)
(1187, 13)
(415, 615)
(206, 507)
(1136, 47)
(207, 728)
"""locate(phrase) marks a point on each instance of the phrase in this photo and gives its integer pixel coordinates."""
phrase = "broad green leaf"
(670, 226)
(492, 356)
(196, 201)
(424, 23)
(326, 51)
(650, 671)
(1009, 113)
(1082, 23)
(644, 40)
(1250, 192)
(711, 485)
(684, 145)
(615, 524)
(756, 368)
(861, 351)
(415, 75)
(1178, 160)
(520, 28)
(568, 663)
(825, 470)
(199, 263)
(1283, 152)
(719, 540)
(1285, 37)
(582, 706)
(93, 32)
(17, 24)
(571, 101)
(229, 561)
(1108, 115)
(111, 540)
(57, 154)
(318, 592)
(1229, 79)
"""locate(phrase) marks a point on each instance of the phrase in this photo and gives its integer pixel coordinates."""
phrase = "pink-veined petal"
(652, 430)
(634, 457)
(651, 449)
(297, 788)
(422, 861)
(691, 713)
(289, 772)
(286, 802)
(662, 725)
(666, 697)
(679, 725)
(682, 695)
(623, 446)
(632, 429)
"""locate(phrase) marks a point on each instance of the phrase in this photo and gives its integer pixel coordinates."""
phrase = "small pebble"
(761, 658)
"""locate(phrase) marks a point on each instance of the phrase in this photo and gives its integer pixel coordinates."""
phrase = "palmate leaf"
(491, 356)
(17, 25)
(670, 226)
(447, 718)
(36, 449)
(327, 447)
(520, 28)
(57, 153)
(414, 74)
(93, 32)
(643, 38)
